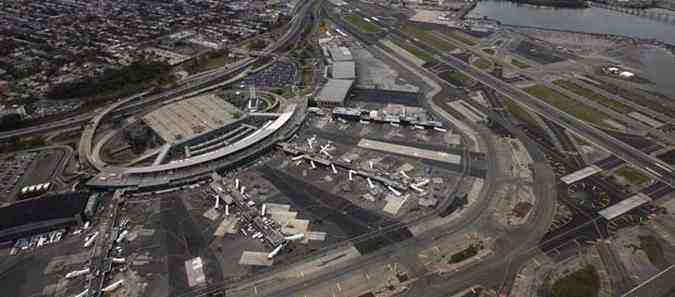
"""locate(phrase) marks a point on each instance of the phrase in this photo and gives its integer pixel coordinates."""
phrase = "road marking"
(338, 287)
(366, 275)
(536, 262)
(255, 290)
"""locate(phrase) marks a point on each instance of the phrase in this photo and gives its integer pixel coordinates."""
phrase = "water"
(658, 64)
(659, 67)
(591, 20)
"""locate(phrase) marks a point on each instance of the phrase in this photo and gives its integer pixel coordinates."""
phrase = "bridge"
(664, 17)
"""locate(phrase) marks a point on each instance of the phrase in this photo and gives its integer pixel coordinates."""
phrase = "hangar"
(35, 216)
(334, 92)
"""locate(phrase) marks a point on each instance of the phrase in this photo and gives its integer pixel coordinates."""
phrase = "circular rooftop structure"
(188, 138)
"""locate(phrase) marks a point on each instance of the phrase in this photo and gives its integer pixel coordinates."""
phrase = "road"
(200, 80)
(513, 247)
(657, 169)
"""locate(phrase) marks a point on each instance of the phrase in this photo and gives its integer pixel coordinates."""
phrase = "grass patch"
(482, 63)
(653, 249)
(421, 54)
(582, 283)
(216, 62)
(489, 51)
(467, 253)
(519, 112)
(632, 175)
(457, 35)
(600, 99)
(457, 78)
(361, 24)
(521, 209)
(428, 37)
(519, 64)
(568, 105)
(580, 140)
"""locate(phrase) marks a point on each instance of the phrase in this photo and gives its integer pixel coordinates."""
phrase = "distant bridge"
(641, 12)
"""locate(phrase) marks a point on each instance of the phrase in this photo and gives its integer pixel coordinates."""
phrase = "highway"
(199, 80)
(513, 248)
(657, 169)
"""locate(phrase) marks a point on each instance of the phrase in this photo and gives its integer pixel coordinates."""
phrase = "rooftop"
(335, 91)
(344, 70)
(340, 53)
(190, 117)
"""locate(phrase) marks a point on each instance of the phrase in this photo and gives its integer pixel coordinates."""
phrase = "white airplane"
(90, 240)
(422, 183)
(275, 251)
(113, 286)
(396, 192)
(118, 260)
(122, 236)
(76, 273)
(217, 206)
(295, 237)
(370, 183)
(417, 189)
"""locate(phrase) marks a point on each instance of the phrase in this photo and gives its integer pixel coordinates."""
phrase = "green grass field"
(482, 63)
(421, 54)
(361, 24)
(650, 245)
(519, 112)
(216, 62)
(458, 79)
(569, 105)
(460, 36)
(600, 99)
(489, 51)
(427, 37)
(519, 64)
(632, 175)
(582, 283)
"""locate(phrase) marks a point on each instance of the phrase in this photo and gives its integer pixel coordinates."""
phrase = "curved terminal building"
(197, 136)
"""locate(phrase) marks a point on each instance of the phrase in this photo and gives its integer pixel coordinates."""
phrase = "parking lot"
(280, 74)
(12, 168)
